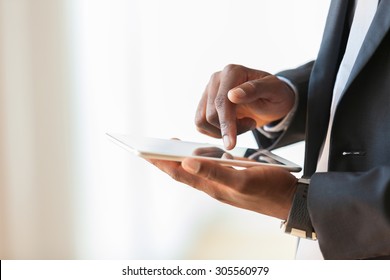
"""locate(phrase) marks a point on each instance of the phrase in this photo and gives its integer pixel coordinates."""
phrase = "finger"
(212, 93)
(210, 131)
(202, 120)
(163, 165)
(176, 172)
(227, 122)
(269, 87)
(204, 127)
(211, 171)
(225, 108)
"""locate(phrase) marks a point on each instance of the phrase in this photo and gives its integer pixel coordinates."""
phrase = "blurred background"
(72, 70)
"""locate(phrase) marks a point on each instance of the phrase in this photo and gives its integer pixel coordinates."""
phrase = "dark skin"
(238, 99)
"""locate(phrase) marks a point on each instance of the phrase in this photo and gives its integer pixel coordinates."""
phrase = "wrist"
(289, 200)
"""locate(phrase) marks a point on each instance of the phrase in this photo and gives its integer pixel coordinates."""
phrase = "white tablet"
(176, 150)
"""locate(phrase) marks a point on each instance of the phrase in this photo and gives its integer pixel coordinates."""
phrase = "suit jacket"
(350, 205)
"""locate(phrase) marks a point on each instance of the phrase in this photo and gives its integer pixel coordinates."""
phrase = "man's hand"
(266, 190)
(239, 99)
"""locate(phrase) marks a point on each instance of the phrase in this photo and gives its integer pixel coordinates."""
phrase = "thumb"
(251, 91)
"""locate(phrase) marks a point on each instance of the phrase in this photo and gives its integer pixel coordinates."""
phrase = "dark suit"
(350, 205)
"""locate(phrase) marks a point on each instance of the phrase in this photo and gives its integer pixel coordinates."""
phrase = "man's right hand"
(239, 99)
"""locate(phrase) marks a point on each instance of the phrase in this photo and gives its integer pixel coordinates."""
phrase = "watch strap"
(298, 222)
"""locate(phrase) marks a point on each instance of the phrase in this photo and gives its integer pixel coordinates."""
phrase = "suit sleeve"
(350, 213)
(296, 130)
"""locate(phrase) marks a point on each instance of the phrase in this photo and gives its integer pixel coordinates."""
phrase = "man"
(340, 105)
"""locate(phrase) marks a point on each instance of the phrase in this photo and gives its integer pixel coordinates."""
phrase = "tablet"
(177, 150)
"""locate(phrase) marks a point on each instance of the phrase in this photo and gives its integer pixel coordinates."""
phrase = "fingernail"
(226, 141)
(237, 92)
(191, 165)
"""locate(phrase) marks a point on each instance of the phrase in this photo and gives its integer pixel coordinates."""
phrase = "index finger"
(226, 109)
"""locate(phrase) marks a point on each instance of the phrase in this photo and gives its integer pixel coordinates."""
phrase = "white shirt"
(364, 14)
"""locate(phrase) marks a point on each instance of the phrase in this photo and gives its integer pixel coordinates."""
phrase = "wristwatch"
(298, 222)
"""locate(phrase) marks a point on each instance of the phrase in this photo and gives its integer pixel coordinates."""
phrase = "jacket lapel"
(322, 80)
(378, 29)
